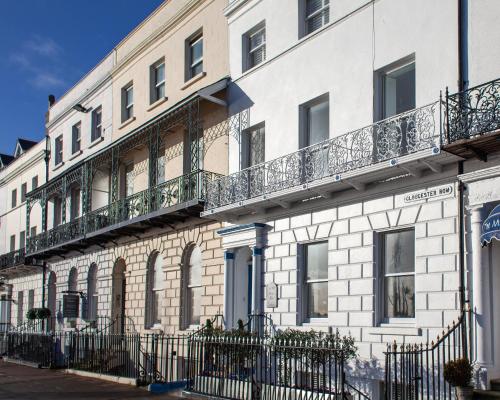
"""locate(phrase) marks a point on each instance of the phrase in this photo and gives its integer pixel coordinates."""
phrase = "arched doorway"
(51, 300)
(118, 296)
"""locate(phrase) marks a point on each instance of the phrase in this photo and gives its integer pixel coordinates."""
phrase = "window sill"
(79, 152)
(127, 122)
(193, 80)
(96, 142)
(58, 166)
(395, 329)
(157, 103)
(156, 328)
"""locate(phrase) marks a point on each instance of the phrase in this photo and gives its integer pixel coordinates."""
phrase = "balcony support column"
(154, 135)
(86, 184)
(113, 193)
(43, 205)
(63, 202)
(194, 142)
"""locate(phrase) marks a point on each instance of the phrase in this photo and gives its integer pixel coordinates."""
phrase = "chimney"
(52, 100)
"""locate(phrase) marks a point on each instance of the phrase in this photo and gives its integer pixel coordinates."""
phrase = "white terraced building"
(343, 198)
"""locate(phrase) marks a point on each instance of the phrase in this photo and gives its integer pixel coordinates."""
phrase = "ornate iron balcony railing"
(473, 112)
(173, 192)
(12, 258)
(394, 137)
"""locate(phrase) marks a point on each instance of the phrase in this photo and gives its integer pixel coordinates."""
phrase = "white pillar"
(481, 293)
(256, 287)
(228, 287)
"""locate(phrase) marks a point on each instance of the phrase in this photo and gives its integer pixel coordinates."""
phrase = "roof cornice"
(188, 8)
(18, 170)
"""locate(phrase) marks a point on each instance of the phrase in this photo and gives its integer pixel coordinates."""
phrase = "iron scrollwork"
(393, 137)
(473, 112)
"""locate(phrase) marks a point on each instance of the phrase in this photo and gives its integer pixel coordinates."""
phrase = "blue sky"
(47, 46)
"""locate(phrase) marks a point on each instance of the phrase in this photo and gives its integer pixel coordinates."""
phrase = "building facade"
(133, 145)
(353, 222)
(330, 165)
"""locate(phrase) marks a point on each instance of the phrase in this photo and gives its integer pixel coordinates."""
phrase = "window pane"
(256, 146)
(317, 300)
(317, 261)
(197, 69)
(194, 278)
(196, 50)
(194, 298)
(399, 91)
(160, 73)
(155, 314)
(318, 123)
(158, 277)
(400, 296)
(399, 252)
(257, 56)
(257, 39)
(130, 96)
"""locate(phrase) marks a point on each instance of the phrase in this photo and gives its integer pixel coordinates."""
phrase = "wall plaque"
(71, 304)
(272, 295)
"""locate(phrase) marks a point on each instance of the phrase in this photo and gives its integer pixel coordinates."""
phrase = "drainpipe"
(463, 80)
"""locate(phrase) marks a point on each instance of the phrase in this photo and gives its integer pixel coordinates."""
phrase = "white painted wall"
(92, 91)
(340, 60)
(21, 170)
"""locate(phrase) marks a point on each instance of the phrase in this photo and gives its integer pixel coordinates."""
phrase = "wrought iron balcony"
(12, 259)
(473, 112)
(473, 121)
(173, 195)
(331, 160)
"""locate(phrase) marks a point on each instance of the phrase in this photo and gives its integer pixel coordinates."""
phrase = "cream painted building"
(133, 145)
(19, 174)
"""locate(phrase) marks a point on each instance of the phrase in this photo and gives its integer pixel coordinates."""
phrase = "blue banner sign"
(491, 226)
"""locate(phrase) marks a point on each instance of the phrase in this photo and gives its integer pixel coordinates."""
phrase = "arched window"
(73, 280)
(192, 287)
(154, 286)
(92, 298)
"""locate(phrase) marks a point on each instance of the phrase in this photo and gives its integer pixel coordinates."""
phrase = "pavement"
(28, 383)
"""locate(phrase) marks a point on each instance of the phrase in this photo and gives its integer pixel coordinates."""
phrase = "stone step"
(495, 385)
(486, 395)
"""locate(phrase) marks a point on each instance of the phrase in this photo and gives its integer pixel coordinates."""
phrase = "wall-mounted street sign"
(490, 228)
(71, 304)
(441, 191)
(272, 295)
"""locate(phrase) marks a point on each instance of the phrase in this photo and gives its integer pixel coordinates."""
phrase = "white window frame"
(303, 293)
(128, 104)
(380, 246)
(188, 286)
(96, 127)
(192, 64)
(325, 5)
(156, 84)
(76, 140)
(249, 50)
(59, 151)
(154, 289)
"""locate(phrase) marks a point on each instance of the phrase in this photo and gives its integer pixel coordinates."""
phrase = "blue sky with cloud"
(47, 46)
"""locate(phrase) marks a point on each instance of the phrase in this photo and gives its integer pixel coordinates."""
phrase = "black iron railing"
(257, 367)
(415, 371)
(385, 140)
(12, 258)
(170, 193)
(230, 367)
(473, 112)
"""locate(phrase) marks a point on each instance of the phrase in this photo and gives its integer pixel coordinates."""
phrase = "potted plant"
(31, 314)
(458, 373)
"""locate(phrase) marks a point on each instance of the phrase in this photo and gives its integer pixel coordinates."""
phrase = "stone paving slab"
(27, 383)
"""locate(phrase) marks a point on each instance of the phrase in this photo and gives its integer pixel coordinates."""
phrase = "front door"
(118, 300)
